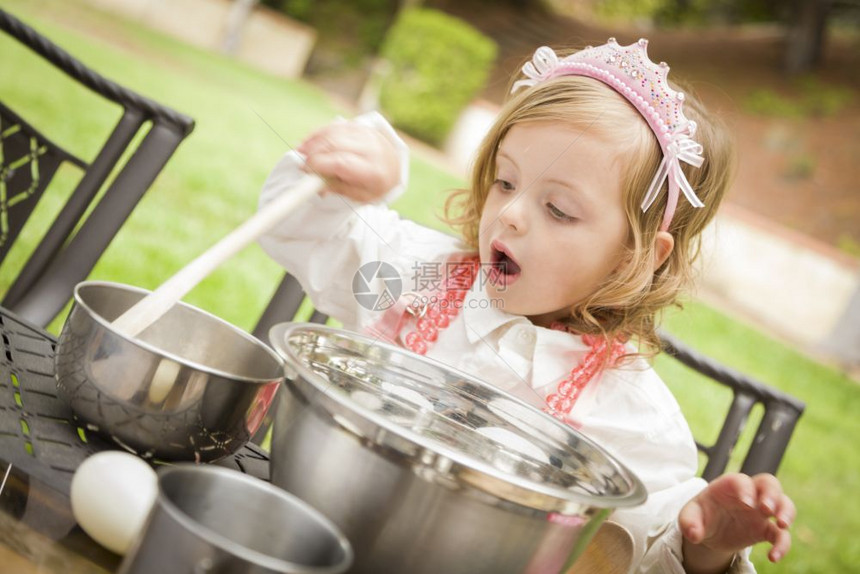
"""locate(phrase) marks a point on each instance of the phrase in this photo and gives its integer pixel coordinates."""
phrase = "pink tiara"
(629, 71)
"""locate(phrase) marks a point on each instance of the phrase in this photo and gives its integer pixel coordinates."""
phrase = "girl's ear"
(664, 243)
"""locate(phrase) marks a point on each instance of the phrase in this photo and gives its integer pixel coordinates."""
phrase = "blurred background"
(779, 295)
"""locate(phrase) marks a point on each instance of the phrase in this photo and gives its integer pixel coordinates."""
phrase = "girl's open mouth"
(505, 269)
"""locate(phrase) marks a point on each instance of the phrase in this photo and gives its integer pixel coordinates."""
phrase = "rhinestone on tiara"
(629, 71)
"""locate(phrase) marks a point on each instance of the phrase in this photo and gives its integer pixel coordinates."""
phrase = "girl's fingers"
(356, 161)
(785, 511)
(781, 541)
(315, 143)
(332, 159)
(320, 145)
(756, 505)
(774, 503)
(346, 175)
(691, 521)
(768, 492)
(342, 166)
(339, 137)
(735, 488)
(786, 515)
(335, 165)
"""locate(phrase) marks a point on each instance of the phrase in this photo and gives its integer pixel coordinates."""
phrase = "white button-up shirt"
(627, 410)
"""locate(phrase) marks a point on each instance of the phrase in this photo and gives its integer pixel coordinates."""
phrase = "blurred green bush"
(437, 64)
(352, 29)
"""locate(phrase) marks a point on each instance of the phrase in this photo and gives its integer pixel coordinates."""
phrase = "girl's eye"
(558, 214)
(503, 184)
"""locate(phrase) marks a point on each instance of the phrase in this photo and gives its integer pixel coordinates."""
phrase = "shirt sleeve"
(664, 554)
(635, 416)
(325, 241)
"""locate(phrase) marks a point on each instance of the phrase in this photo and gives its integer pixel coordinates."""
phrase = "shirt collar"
(481, 316)
(553, 354)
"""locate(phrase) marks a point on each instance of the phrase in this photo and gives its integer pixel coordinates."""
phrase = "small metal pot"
(428, 470)
(190, 387)
(209, 519)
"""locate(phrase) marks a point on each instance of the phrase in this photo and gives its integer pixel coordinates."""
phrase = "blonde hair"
(627, 303)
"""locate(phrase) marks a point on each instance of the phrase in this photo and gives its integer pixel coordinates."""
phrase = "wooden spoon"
(149, 309)
(609, 552)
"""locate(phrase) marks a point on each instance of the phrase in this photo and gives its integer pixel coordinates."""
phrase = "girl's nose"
(513, 213)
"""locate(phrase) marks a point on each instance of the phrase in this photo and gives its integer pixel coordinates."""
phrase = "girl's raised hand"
(357, 161)
(733, 512)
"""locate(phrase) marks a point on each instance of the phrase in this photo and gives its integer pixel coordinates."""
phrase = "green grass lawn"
(245, 121)
(821, 469)
(244, 118)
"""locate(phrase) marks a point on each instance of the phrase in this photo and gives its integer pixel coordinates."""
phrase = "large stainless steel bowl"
(190, 387)
(427, 470)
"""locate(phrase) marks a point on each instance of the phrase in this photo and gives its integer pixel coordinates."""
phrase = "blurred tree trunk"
(235, 22)
(806, 35)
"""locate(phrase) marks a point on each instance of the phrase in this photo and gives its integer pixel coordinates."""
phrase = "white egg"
(112, 494)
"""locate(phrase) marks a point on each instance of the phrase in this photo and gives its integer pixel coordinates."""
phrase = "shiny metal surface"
(429, 470)
(191, 387)
(194, 527)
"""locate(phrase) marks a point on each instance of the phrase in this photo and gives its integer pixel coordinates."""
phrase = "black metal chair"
(70, 247)
(781, 413)
(284, 306)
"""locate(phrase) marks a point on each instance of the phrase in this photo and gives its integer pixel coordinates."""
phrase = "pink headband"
(629, 71)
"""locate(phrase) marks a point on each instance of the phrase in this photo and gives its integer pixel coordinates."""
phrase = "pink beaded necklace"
(435, 313)
(559, 403)
(439, 310)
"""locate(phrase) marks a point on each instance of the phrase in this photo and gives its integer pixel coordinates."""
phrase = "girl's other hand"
(733, 512)
(357, 161)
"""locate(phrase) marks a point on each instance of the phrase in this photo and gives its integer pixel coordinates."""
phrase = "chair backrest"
(284, 306)
(781, 413)
(70, 247)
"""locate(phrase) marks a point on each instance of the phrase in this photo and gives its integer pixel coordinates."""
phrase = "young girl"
(587, 199)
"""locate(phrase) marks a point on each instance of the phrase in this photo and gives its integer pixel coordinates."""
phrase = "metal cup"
(210, 519)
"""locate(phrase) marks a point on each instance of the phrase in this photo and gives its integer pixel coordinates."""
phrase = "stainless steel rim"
(243, 552)
(556, 498)
(162, 352)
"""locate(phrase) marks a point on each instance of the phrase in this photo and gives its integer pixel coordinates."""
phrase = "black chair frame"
(283, 306)
(781, 413)
(70, 248)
